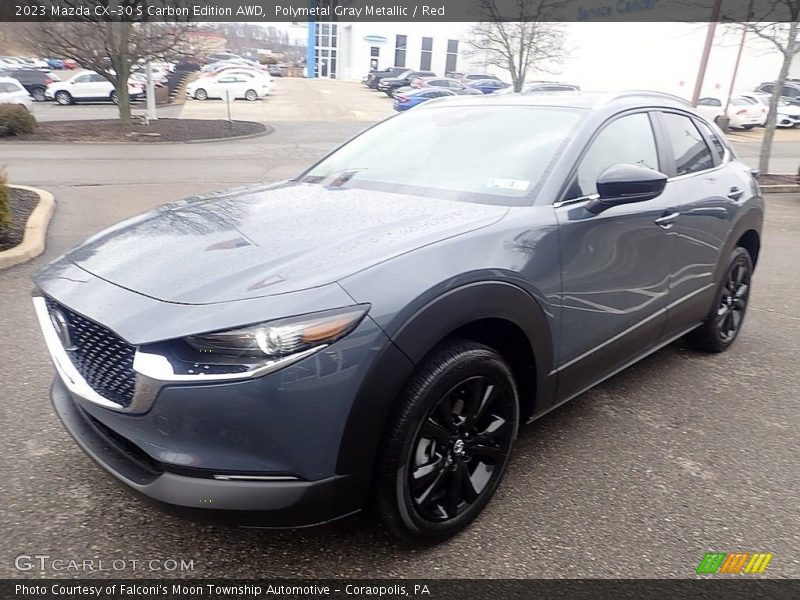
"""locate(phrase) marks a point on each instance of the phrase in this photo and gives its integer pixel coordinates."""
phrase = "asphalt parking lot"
(639, 477)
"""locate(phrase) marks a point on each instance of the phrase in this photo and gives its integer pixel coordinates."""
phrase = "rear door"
(615, 265)
(707, 187)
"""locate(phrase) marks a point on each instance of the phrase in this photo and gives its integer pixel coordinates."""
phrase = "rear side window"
(689, 149)
(627, 140)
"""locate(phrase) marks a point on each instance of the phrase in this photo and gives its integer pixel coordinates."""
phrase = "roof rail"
(631, 93)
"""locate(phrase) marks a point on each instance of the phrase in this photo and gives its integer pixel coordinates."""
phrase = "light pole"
(701, 72)
(151, 93)
(739, 56)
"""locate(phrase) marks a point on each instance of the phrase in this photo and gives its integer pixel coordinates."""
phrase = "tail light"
(402, 99)
(48, 81)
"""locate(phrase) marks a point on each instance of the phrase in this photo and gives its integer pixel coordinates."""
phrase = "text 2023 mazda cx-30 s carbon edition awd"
(374, 331)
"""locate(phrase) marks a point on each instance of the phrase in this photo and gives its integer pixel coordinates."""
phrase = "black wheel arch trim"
(414, 339)
(752, 220)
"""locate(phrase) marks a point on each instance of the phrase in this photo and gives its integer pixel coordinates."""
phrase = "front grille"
(103, 359)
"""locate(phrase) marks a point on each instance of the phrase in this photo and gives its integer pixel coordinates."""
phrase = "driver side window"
(629, 140)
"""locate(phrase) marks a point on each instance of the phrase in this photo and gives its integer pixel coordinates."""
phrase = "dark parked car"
(374, 77)
(390, 84)
(33, 80)
(790, 92)
(380, 326)
(488, 86)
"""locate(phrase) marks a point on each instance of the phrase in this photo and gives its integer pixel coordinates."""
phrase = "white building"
(347, 50)
(598, 56)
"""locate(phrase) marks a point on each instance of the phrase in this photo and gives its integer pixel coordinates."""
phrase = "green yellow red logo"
(734, 562)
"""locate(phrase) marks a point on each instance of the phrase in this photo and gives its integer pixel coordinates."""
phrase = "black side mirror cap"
(624, 184)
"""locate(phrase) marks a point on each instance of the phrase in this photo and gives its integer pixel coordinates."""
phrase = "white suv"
(89, 86)
(12, 92)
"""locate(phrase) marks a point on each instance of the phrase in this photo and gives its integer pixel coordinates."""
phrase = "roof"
(582, 100)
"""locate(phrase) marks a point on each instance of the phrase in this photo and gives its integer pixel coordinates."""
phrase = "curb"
(33, 240)
(779, 189)
(268, 129)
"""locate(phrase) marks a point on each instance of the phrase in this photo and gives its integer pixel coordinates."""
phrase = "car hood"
(269, 240)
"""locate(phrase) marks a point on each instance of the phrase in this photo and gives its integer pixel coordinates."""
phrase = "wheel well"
(512, 344)
(750, 242)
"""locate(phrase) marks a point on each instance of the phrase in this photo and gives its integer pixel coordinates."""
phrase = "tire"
(440, 462)
(38, 94)
(747, 126)
(200, 94)
(64, 98)
(251, 95)
(114, 97)
(726, 317)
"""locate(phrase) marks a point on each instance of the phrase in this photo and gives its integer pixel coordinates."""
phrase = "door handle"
(735, 193)
(667, 220)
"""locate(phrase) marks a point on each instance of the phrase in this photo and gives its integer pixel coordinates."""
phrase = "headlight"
(283, 337)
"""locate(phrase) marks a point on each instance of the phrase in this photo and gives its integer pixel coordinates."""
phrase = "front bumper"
(247, 503)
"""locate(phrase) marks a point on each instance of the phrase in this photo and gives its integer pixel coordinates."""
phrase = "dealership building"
(347, 50)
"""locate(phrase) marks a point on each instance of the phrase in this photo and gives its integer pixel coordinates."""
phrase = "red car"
(70, 64)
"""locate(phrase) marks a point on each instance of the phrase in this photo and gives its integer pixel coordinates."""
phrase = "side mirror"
(626, 183)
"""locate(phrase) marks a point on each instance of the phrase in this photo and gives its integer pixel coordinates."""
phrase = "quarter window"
(689, 149)
(628, 140)
(716, 144)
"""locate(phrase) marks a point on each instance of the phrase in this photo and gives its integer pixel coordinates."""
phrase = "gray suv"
(374, 332)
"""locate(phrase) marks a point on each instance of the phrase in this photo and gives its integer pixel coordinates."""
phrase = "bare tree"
(785, 37)
(109, 47)
(516, 46)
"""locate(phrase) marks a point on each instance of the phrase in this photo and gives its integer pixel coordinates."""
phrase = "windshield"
(494, 154)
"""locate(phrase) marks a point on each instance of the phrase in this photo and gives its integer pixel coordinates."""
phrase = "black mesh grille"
(104, 360)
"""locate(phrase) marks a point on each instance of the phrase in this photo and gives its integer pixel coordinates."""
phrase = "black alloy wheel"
(733, 300)
(447, 443)
(725, 319)
(460, 447)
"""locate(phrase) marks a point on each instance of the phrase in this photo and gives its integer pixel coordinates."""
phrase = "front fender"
(414, 337)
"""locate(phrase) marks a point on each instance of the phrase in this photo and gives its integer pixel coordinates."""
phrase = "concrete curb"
(779, 189)
(268, 129)
(33, 240)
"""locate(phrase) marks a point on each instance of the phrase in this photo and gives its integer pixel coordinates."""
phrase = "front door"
(615, 265)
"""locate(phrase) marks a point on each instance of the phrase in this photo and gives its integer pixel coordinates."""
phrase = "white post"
(151, 93)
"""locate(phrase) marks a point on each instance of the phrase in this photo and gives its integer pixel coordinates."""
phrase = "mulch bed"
(22, 204)
(779, 179)
(163, 130)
